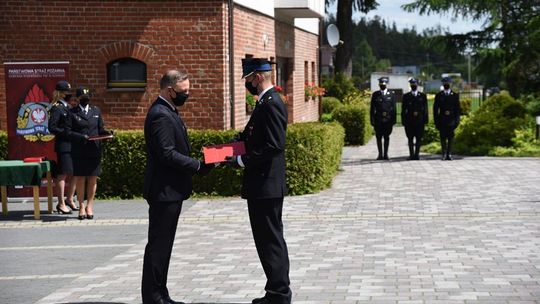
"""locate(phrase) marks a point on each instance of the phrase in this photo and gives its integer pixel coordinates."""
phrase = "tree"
(507, 27)
(344, 21)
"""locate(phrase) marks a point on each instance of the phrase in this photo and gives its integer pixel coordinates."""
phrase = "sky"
(390, 11)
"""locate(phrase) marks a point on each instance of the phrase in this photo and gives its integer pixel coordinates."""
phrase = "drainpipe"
(231, 61)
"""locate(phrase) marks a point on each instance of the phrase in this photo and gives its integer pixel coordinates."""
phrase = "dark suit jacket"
(414, 110)
(446, 110)
(60, 124)
(264, 137)
(383, 108)
(168, 166)
(90, 124)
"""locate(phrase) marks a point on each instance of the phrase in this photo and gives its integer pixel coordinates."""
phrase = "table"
(17, 172)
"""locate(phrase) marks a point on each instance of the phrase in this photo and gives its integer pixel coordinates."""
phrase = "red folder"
(217, 153)
(100, 137)
(36, 159)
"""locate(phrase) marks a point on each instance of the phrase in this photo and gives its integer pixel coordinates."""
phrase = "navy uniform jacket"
(90, 124)
(414, 110)
(169, 168)
(383, 108)
(446, 110)
(60, 124)
(264, 137)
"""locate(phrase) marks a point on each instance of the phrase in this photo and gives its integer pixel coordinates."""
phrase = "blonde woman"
(60, 120)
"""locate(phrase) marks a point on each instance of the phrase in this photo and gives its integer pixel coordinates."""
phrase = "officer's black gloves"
(232, 162)
(84, 139)
(204, 169)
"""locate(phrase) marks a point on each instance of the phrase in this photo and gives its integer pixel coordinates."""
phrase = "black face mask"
(67, 97)
(446, 86)
(84, 101)
(382, 86)
(413, 87)
(180, 98)
(251, 89)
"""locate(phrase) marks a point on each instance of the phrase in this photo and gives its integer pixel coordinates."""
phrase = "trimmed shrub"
(524, 144)
(355, 119)
(329, 104)
(3, 145)
(465, 105)
(431, 134)
(338, 86)
(123, 164)
(222, 180)
(493, 124)
(313, 156)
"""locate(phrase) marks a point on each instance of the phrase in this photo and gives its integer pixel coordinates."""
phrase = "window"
(126, 73)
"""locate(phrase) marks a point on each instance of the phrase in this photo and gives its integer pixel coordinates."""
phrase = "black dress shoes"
(168, 300)
(62, 211)
(263, 300)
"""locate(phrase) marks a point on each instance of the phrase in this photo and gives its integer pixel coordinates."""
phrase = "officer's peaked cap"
(63, 86)
(250, 65)
(447, 79)
(82, 91)
(384, 80)
(413, 80)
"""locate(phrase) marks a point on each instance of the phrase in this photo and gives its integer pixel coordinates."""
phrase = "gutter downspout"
(231, 62)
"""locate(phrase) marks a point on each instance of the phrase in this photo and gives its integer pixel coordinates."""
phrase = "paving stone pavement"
(429, 231)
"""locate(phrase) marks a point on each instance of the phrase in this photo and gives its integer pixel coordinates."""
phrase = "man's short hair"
(171, 77)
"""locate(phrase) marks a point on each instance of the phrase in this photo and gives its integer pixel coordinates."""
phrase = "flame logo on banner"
(33, 116)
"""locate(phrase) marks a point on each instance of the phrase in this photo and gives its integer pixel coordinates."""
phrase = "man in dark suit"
(264, 178)
(167, 181)
(446, 111)
(414, 116)
(383, 116)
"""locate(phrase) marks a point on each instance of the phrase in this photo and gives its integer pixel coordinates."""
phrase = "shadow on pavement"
(23, 215)
(356, 162)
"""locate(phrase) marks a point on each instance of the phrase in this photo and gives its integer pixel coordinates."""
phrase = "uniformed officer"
(383, 116)
(446, 111)
(264, 184)
(414, 116)
(60, 122)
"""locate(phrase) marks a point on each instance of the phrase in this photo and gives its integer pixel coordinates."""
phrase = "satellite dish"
(332, 35)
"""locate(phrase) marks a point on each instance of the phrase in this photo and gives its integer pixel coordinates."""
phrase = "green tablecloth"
(17, 172)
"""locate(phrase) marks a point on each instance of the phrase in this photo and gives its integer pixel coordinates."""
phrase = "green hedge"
(313, 155)
(329, 104)
(3, 145)
(493, 124)
(355, 119)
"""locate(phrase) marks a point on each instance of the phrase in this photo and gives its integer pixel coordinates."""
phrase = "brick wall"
(89, 34)
(190, 35)
(284, 40)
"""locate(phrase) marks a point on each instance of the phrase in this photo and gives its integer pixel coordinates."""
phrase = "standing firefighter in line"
(383, 116)
(446, 113)
(414, 116)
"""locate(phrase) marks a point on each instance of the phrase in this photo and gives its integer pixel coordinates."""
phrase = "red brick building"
(100, 38)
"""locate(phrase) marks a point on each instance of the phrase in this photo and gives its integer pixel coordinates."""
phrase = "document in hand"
(100, 137)
(217, 153)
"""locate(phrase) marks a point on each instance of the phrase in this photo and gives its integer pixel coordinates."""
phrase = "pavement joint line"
(328, 217)
(37, 277)
(66, 247)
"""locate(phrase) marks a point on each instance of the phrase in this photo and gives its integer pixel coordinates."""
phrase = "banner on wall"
(29, 92)
(29, 88)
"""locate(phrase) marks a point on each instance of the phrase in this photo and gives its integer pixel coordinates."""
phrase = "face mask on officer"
(413, 87)
(83, 101)
(382, 86)
(67, 97)
(180, 98)
(446, 86)
(251, 88)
